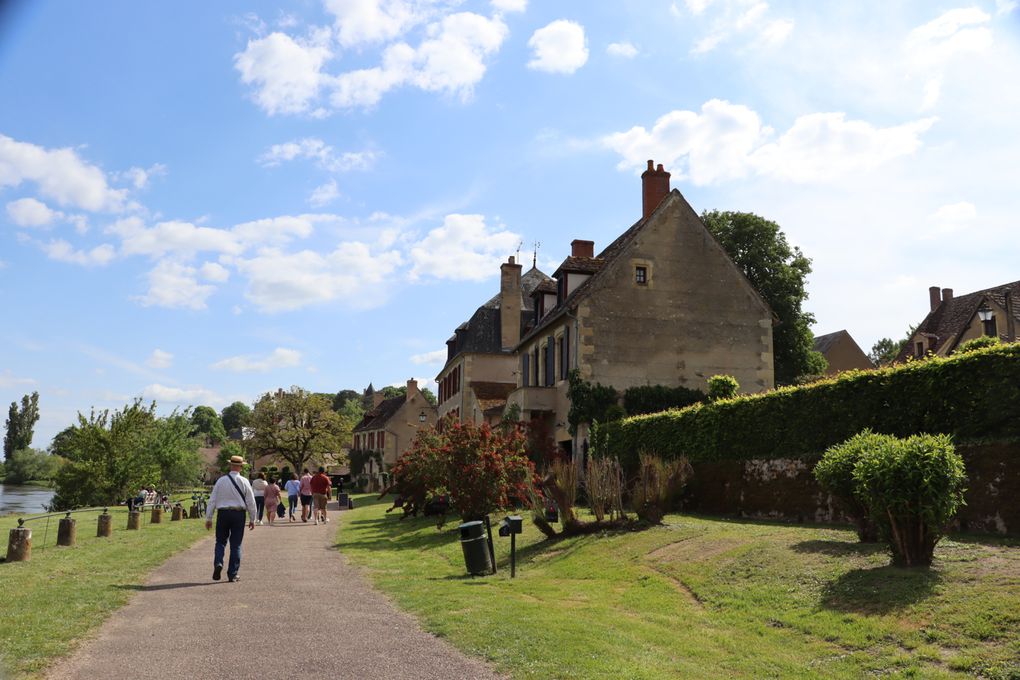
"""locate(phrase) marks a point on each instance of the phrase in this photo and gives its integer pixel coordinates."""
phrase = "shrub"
(28, 465)
(984, 342)
(835, 473)
(966, 395)
(560, 484)
(588, 403)
(656, 398)
(603, 480)
(657, 486)
(913, 487)
(722, 387)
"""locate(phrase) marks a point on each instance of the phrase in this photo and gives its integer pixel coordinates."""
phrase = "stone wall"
(785, 489)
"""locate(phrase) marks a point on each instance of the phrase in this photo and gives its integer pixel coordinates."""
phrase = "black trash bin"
(341, 500)
(476, 549)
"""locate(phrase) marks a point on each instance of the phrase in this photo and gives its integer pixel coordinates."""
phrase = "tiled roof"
(823, 343)
(951, 317)
(376, 418)
(545, 287)
(583, 265)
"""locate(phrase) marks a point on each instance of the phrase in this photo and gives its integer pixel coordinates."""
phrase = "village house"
(663, 304)
(842, 352)
(390, 426)
(481, 369)
(953, 320)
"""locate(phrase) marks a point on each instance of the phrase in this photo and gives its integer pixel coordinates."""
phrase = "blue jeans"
(260, 505)
(229, 526)
(292, 504)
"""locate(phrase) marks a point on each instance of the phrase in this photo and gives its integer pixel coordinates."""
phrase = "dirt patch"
(688, 550)
(682, 588)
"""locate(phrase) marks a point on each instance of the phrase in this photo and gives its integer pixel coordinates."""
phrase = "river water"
(24, 500)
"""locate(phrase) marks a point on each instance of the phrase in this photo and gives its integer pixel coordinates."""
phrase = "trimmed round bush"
(722, 387)
(912, 487)
(835, 474)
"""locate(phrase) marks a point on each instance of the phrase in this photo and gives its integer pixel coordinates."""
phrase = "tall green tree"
(778, 271)
(235, 416)
(297, 426)
(885, 351)
(206, 424)
(20, 424)
(344, 396)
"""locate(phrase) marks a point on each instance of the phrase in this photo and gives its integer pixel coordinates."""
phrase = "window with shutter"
(381, 438)
(538, 380)
(525, 370)
(565, 359)
(550, 362)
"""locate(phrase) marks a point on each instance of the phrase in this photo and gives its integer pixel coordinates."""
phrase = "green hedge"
(970, 395)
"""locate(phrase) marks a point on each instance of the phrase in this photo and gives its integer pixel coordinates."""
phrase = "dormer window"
(641, 275)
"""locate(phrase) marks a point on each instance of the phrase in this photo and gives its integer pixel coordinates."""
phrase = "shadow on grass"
(838, 548)
(879, 590)
(166, 586)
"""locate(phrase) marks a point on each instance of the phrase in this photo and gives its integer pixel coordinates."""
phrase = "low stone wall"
(785, 489)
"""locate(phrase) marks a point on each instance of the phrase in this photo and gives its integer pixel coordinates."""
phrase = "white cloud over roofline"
(559, 47)
(281, 357)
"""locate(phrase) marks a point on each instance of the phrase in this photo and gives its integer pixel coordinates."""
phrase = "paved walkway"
(182, 624)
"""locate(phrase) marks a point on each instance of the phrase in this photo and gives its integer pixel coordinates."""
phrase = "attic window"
(641, 275)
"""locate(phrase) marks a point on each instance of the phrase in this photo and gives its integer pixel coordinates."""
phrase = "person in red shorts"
(321, 486)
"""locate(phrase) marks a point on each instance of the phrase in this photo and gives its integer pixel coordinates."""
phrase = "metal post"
(513, 555)
(492, 551)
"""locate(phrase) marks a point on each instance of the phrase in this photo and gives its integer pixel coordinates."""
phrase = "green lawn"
(703, 598)
(61, 594)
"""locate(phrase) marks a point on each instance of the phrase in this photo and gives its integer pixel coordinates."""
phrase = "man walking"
(306, 495)
(231, 497)
(320, 494)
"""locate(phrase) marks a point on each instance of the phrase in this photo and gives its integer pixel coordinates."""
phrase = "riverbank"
(62, 594)
(25, 499)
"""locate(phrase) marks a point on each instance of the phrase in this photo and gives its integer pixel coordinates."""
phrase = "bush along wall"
(973, 395)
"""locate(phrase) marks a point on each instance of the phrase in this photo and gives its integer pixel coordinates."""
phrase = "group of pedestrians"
(233, 497)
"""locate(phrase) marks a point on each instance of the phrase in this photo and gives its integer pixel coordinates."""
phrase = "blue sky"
(200, 202)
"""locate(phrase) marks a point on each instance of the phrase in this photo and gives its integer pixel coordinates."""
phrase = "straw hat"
(236, 460)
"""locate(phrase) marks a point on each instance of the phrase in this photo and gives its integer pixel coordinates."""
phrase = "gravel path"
(182, 624)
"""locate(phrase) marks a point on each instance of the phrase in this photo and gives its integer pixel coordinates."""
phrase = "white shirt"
(224, 495)
(259, 486)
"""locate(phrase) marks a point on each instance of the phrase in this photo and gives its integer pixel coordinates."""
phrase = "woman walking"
(293, 487)
(272, 499)
(258, 486)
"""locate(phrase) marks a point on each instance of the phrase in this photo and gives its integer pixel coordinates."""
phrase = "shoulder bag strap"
(244, 500)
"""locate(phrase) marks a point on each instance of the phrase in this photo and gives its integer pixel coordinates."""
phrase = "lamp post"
(987, 317)
(422, 417)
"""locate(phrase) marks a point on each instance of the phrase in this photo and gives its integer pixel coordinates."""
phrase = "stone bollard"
(134, 520)
(157, 515)
(19, 545)
(178, 514)
(104, 526)
(67, 531)
(194, 511)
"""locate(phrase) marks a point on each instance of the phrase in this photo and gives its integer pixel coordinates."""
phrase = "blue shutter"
(525, 370)
(550, 362)
(565, 358)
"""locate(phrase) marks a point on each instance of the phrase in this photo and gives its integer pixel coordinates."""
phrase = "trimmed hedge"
(970, 395)
(656, 398)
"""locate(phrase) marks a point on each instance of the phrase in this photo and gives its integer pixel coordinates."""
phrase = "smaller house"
(954, 319)
(390, 426)
(842, 352)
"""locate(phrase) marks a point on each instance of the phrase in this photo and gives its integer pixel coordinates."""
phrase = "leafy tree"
(112, 454)
(886, 350)
(206, 424)
(26, 465)
(235, 416)
(63, 443)
(297, 426)
(778, 271)
(429, 395)
(231, 448)
(344, 396)
(20, 424)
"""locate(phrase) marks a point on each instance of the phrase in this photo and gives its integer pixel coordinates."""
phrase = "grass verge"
(61, 594)
(703, 598)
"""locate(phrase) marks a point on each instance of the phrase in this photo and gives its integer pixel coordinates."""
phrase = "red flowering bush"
(483, 470)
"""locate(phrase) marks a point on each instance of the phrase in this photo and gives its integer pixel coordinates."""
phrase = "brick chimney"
(579, 248)
(934, 298)
(947, 294)
(510, 303)
(412, 389)
(654, 188)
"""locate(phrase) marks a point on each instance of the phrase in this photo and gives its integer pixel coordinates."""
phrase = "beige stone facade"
(841, 352)
(391, 426)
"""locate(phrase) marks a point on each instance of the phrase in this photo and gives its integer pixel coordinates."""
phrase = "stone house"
(663, 304)
(842, 352)
(481, 369)
(390, 426)
(953, 320)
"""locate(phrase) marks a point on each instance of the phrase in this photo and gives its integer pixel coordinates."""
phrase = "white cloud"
(179, 395)
(175, 284)
(354, 273)
(8, 380)
(315, 149)
(727, 141)
(286, 73)
(953, 217)
(775, 33)
(139, 177)
(324, 194)
(360, 22)
(747, 19)
(622, 49)
(510, 5)
(277, 230)
(214, 271)
(697, 6)
(559, 47)
(60, 175)
(28, 212)
(955, 31)
(62, 251)
(932, 92)
(1005, 6)
(280, 357)
(187, 239)
(464, 248)
(436, 357)
(160, 359)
